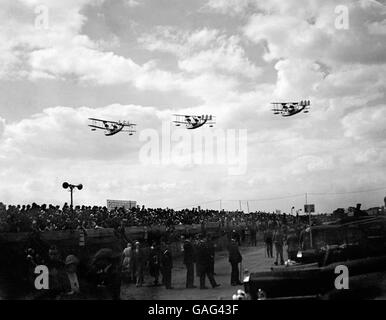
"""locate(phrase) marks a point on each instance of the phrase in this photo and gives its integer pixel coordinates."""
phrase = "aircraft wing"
(105, 121)
(96, 127)
(113, 122)
(94, 119)
(184, 122)
(285, 103)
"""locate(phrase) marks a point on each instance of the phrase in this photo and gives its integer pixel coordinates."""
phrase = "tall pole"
(220, 205)
(72, 197)
(309, 221)
(248, 206)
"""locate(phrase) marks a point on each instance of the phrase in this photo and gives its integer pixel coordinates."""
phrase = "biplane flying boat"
(194, 122)
(287, 109)
(111, 127)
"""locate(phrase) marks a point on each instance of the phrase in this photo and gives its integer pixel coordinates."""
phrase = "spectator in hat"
(167, 266)
(212, 251)
(268, 239)
(234, 259)
(189, 259)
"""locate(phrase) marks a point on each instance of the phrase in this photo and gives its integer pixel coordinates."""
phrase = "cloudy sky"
(143, 60)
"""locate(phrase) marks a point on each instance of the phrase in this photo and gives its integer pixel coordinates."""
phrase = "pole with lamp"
(67, 185)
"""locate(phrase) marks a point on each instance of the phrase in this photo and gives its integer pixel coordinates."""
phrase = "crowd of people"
(102, 275)
(27, 218)
(78, 276)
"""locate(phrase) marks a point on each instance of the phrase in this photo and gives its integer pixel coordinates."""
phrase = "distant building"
(127, 204)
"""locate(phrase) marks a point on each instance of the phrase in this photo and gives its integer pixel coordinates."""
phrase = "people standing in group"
(234, 259)
(167, 266)
(204, 264)
(189, 260)
(268, 239)
(278, 240)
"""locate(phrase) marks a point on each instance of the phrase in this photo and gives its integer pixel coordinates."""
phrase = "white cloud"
(203, 51)
(85, 64)
(132, 3)
(378, 28)
(229, 57)
(307, 29)
(233, 7)
(366, 123)
(297, 79)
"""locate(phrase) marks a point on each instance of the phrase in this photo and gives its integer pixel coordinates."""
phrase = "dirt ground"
(254, 259)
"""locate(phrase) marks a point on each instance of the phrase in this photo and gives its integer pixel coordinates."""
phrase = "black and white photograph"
(205, 151)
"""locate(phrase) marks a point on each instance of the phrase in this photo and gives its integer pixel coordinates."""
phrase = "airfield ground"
(254, 259)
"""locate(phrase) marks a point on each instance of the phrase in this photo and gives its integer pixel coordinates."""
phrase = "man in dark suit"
(167, 266)
(253, 233)
(234, 259)
(212, 252)
(189, 259)
(203, 264)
